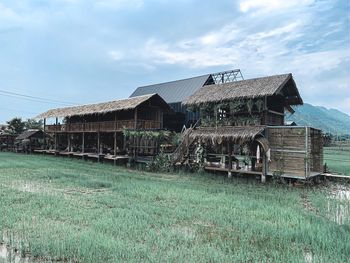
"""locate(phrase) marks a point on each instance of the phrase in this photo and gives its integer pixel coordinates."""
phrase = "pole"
(56, 134)
(44, 133)
(229, 158)
(115, 138)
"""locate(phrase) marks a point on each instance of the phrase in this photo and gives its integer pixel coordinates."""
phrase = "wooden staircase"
(182, 152)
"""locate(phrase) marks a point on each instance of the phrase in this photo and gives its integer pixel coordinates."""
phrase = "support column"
(56, 134)
(264, 170)
(115, 138)
(83, 143)
(265, 111)
(98, 143)
(229, 158)
(69, 142)
(44, 136)
(135, 138)
(135, 119)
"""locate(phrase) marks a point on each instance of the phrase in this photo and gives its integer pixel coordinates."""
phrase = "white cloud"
(115, 55)
(118, 4)
(228, 46)
(271, 5)
(288, 45)
(8, 17)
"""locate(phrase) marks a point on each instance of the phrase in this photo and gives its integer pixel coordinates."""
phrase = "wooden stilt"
(56, 134)
(44, 136)
(98, 146)
(264, 170)
(69, 142)
(83, 143)
(115, 138)
(229, 159)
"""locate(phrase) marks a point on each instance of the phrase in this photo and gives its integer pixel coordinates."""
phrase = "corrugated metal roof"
(174, 91)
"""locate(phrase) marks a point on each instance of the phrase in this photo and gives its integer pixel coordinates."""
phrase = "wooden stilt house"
(242, 130)
(96, 130)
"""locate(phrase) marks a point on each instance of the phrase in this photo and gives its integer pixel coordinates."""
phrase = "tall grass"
(75, 211)
(338, 159)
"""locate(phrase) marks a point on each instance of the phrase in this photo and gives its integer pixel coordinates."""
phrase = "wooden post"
(135, 137)
(56, 134)
(83, 143)
(229, 158)
(98, 143)
(264, 170)
(135, 119)
(161, 118)
(306, 153)
(44, 133)
(265, 111)
(69, 142)
(115, 137)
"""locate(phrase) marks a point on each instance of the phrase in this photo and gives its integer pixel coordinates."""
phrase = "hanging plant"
(259, 105)
(250, 105)
(235, 106)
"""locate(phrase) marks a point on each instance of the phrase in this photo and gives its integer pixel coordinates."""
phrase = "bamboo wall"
(295, 151)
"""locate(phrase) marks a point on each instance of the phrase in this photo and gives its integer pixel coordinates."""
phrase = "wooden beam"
(276, 112)
(290, 109)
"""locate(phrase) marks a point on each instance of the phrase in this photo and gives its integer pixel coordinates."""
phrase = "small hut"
(6, 141)
(29, 140)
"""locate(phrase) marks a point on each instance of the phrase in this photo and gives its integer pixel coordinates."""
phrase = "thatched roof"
(105, 107)
(219, 134)
(250, 88)
(29, 134)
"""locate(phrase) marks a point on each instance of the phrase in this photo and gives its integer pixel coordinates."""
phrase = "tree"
(16, 125)
(33, 124)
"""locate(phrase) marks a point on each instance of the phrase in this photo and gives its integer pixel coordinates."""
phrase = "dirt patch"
(184, 231)
(308, 256)
(307, 203)
(8, 255)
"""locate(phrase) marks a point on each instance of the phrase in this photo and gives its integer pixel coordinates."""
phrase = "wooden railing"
(106, 126)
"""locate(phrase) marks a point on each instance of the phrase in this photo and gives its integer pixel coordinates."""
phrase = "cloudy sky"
(84, 51)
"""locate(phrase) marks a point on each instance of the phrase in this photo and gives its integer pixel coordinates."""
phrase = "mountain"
(328, 120)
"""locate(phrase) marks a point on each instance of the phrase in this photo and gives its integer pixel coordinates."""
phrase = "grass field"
(337, 158)
(67, 210)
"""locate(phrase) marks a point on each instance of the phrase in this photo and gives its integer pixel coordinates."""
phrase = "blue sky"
(93, 51)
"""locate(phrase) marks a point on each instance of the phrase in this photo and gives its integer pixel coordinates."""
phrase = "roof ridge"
(105, 102)
(172, 81)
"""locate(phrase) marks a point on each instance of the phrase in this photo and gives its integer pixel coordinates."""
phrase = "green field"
(59, 209)
(337, 158)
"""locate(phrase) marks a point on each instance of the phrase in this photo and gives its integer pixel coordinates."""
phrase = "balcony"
(106, 126)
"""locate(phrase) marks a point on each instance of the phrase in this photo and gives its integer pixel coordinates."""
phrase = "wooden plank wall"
(316, 150)
(295, 151)
(288, 150)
